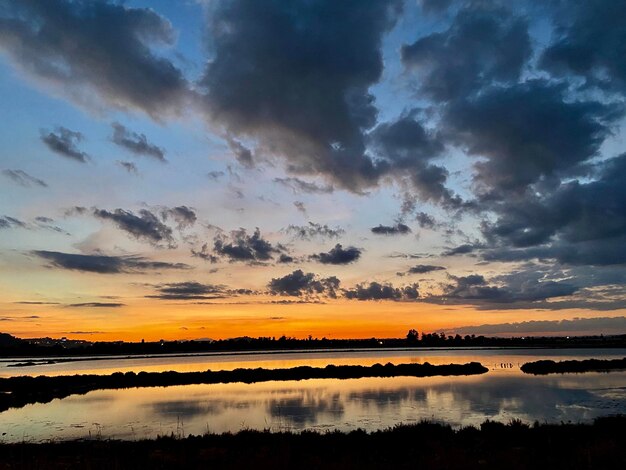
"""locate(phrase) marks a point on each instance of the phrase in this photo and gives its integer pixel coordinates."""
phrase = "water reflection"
(306, 409)
(369, 403)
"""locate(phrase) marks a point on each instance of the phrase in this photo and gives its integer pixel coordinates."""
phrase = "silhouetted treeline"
(426, 445)
(51, 348)
(16, 392)
(587, 365)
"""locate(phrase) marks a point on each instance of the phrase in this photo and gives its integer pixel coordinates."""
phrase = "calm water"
(504, 393)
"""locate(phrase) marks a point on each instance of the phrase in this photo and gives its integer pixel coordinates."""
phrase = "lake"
(504, 393)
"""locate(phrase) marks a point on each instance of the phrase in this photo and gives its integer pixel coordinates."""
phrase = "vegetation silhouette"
(588, 365)
(16, 392)
(425, 445)
(11, 346)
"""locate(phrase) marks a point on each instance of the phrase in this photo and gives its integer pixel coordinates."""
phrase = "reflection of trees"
(306, 408)
(520, 397)
(385, 398)
(193, 408)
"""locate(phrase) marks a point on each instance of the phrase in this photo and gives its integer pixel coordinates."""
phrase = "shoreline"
(16, 392)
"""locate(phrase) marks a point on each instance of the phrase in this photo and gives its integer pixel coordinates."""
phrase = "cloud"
(338, 255)
(183, 216)
(24, 179)
(314, 230)
(69, 45)
(514, 129)
(204, 254)
(298, 284)
(404, 148)
(385, 291)
(64, 142)
(136, 143)
(242, 153)
(130, 167)
(425, 220)
(303, 92)
(575, 223)
(190, 290)
(524, 286)
(300, 186)
(483, 45)
(215, 175)
(300, 206)
(145, 226)
(97, 305)
(463, 249)
(398, 229)
(105, 264)
(240, 246)
(601, 325)
(424, 268)
(590, 44)
(7, 222)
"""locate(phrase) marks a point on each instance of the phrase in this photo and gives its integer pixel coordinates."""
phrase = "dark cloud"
(425, 220)
(338, 255)
(183, 216)
(605, 325)
(576, 223)
(286, 259)
(298, 284)
(205, 254)
(590, 44)
(24, 179)
(529, 133)
(522, 286)
(300, 186)
(483, 45)
(398, 229)
(296, 76)
(189, 291)
(404, 148)
(95, 50)
(11, 222)
(145, 226)
(136, 143)
(313, 230)
(242, 153)
(300, 206)
(105, 264)
(64, 142)
(434, 6)
(76, 210)
(48, 224)
(240, 246)
(128, 166)
(464, 249)
(378, 291)
(215, 175)
(424, 268)
(97, 305)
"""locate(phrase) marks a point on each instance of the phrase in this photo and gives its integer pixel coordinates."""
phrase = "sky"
(215, 169)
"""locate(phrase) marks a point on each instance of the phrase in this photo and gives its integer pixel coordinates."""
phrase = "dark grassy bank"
(16, 392)
(601, 445)
(588, 365)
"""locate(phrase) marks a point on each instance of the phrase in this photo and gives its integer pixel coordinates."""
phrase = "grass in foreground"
(601, 445)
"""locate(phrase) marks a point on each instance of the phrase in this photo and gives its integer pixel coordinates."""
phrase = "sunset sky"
(214, 169)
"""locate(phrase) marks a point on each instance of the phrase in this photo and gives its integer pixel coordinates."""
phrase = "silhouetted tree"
(411, 336)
